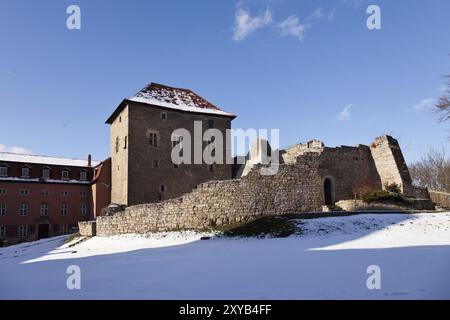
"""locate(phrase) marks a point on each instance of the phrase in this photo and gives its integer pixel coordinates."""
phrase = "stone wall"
(295, 188)
(87, 228)
(300, 185)
(359, 205)
(351, 170)
(441, 199)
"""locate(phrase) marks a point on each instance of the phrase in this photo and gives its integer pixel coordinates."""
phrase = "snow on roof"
(29, 158)
(176, 98)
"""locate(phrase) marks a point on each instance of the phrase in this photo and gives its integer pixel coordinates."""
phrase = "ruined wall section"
(351, 169)
(390, 164)
(295, 188)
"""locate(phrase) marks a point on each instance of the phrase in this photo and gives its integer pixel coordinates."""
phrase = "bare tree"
(432, 171)
(442, 106)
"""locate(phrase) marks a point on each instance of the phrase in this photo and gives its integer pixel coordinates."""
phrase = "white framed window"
(24, 192)
(65, 174)
(45, 173)
(2, 231)
(44, 209)
(64, 193)
(44, 193)
(23, 231)
(25, 172)
(83, 194)
(83, 175)
(2, 209)
(63, 229)
(64, 209)
(3, 192)
(83, 209)
(23, 209)
(3, 171)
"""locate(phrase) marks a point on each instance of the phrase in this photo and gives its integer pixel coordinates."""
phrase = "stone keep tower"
(141, 135)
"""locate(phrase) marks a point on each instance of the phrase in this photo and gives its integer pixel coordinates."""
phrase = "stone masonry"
(298, 186)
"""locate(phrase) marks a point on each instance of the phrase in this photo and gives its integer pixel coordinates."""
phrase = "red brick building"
(44, 196)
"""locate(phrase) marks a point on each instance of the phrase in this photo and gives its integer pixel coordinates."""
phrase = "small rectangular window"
(163, 115)
(23, 231)
(2, 231)
(155, 164)
(64, 209)
(83, 176)
(117, 144)
(44, 209)
(25, 172)
(65, 175)
(83, 209)
(45, 173)
(3, 171)
(125, 142)
(153, 139)
(211, 167)
(162, 188)
(2, 209)
(23, 210)
(210, 124)
(24, 192)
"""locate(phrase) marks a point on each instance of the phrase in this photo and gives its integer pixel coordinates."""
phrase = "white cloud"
(291, 26)
(424, 104)
(344, 115)
(244, 24)
(4, 148)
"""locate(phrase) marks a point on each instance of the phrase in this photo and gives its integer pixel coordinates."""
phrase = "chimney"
(89, 160)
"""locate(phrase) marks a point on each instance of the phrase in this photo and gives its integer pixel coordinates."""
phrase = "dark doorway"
(43, 231)
(328, 191)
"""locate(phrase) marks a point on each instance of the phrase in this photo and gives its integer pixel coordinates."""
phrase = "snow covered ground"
(329, 261)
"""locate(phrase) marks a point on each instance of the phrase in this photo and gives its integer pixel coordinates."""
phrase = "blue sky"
(310, 68)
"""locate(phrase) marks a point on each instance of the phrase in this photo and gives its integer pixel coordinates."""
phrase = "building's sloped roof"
(29, 158)
(173, 98)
